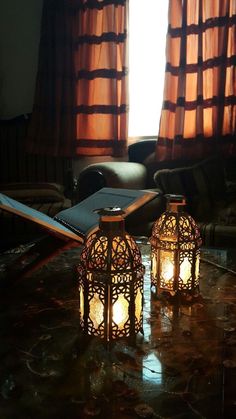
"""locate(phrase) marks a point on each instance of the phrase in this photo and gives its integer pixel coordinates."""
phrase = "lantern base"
(131, 338)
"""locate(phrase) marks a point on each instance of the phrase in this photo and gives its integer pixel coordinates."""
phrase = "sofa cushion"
(219, 235)
(30, 193)
(152, 166)
(203, 184)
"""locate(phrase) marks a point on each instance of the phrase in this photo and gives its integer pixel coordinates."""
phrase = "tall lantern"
(111, 280)
(175, 250)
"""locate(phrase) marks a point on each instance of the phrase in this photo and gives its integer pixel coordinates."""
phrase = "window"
(147, 40)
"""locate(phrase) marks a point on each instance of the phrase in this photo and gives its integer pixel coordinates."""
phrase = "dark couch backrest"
(140, 150)
(203, 184)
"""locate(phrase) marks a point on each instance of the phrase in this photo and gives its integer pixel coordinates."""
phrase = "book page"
(48, 223)
(81, 218)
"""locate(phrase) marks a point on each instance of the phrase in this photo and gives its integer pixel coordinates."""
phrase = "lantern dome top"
(177, 228)
(111, 253)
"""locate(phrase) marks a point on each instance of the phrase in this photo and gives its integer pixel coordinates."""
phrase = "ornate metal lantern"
(111, 280)
(175, 253)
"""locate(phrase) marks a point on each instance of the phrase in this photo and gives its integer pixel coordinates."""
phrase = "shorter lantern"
(175, 253)
(111, 280)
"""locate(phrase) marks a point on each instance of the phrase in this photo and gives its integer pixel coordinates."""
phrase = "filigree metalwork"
(175, 254)
(111, 283)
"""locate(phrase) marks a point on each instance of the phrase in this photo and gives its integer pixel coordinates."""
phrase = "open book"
(77, 222)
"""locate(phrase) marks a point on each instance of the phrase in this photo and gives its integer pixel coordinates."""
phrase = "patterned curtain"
(101, 69)
(80, 105)
(199, 109)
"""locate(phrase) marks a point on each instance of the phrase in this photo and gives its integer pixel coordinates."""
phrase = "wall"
(19, 40)
(20, 22)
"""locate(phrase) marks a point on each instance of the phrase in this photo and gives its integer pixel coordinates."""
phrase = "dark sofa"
(208, 185)
(211, 197)
(133, 174)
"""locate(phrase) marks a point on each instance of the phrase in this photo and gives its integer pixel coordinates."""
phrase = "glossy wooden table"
(184, 366)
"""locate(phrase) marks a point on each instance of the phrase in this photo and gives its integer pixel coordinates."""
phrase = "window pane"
(147, 40)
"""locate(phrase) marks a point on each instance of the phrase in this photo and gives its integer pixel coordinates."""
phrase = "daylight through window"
(147, 41)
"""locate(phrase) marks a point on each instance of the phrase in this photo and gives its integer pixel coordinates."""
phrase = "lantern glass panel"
(138, 305)
(96, 310)
(197, 266)
(81, 302)
(121, 311)
(154, 264)
(185, 270)
(89, 276)
(167, 268)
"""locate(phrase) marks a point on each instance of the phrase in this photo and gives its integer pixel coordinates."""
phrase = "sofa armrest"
(112, 175)
(140, 150)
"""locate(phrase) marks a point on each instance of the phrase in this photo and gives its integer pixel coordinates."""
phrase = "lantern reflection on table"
(175, 254)
(111, 280)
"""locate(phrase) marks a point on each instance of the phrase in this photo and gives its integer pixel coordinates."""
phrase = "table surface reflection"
(183, 366)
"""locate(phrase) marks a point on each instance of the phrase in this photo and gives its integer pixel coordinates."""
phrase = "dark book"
(77, 222)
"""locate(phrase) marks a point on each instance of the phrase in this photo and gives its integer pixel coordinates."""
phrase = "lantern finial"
(112, 211)
(175, 202)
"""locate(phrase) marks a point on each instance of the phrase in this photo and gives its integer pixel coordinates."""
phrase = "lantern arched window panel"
(111, 280)
(175, 250)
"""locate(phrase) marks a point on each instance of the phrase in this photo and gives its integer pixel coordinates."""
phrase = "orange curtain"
(80, 103)
(198, 117)
(101, 69)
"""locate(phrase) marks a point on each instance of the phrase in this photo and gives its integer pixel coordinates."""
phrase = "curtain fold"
(80, 105)
(52, 128)
(198, 116)
(101, 69)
